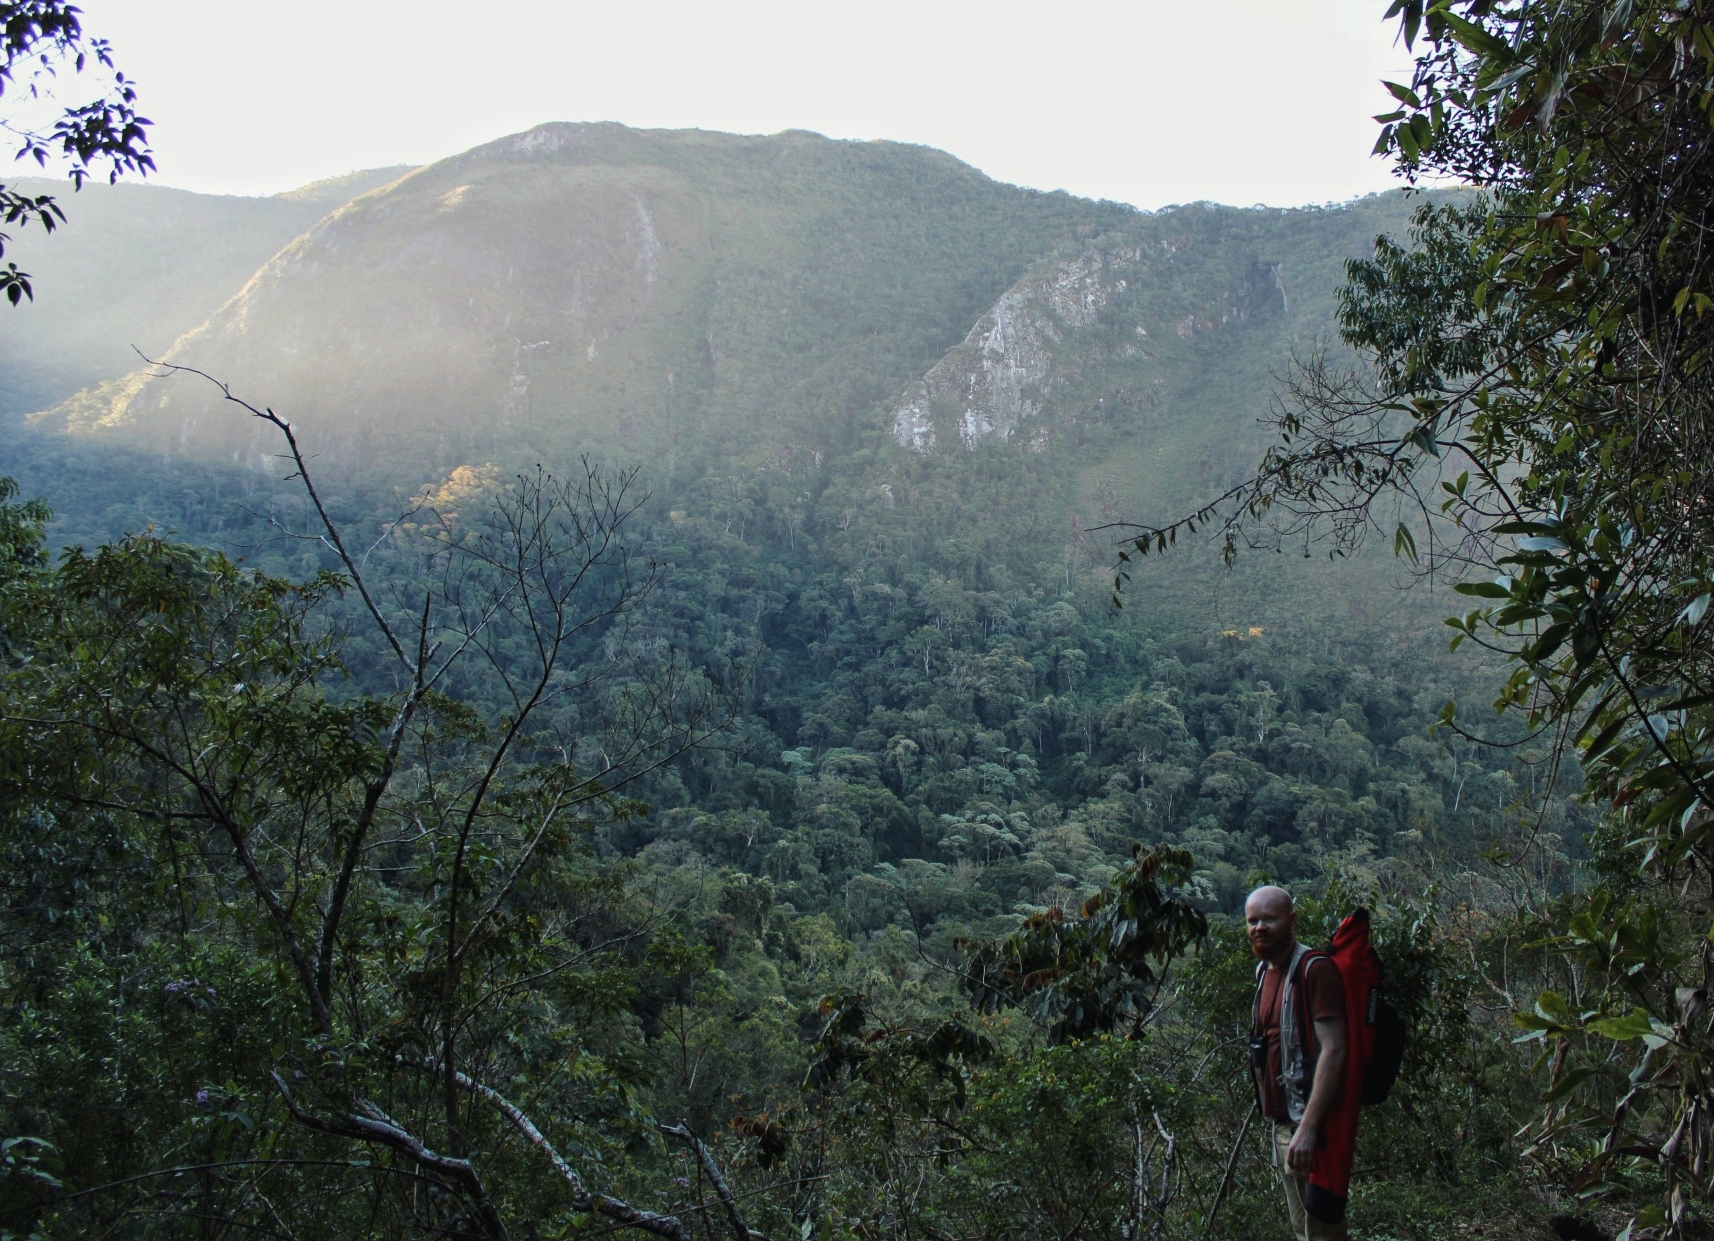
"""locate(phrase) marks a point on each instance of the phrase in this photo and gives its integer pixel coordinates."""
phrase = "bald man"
(1298, 1072)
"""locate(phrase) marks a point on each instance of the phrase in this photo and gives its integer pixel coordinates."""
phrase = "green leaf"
(1634, 1024)
(1603, 740)
(1403, 94)
(1476, 39)
(1551, 1006)
(1403, 543)
(1570, 1082)
(1406, 139)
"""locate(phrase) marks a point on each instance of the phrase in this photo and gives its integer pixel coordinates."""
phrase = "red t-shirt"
(1326, 995)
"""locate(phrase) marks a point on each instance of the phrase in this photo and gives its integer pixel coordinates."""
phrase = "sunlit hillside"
(692, 299)
(132, 268)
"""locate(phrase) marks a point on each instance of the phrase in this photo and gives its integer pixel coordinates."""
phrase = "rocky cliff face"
(994, 380)
(1014, 373)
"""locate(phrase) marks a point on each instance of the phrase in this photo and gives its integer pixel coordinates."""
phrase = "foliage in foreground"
(1534, 418)
(39, 41)
(330, 911)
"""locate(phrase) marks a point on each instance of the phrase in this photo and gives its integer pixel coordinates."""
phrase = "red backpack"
(1375, 1033)
(1375, 1036)
(1375, 1030)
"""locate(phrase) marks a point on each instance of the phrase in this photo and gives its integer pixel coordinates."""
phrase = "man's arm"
(1329, 1076)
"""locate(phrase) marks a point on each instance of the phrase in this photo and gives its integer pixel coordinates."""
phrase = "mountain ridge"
(139, 265)
(848, 320)
(601, 313)
(667, 295)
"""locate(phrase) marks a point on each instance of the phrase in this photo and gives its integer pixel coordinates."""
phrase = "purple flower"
(681, 1182)
(202, 1095)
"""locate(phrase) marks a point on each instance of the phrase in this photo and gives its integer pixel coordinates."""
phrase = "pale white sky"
(1145, 101)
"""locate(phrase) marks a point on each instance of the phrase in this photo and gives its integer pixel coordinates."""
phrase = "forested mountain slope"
(695, 299)
(641, 292)
(884, 405)
(137, 265)
(852, 320)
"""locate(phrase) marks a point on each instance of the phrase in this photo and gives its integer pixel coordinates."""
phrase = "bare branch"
(740, 1230)
(374, 1125)
(648, 1221)
(333, 538)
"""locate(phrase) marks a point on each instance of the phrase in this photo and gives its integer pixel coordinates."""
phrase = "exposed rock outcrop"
(1039, 335)
(995, 377)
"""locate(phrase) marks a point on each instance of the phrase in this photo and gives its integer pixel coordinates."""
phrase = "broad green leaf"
(1569, 1083)
(1403, 94)
(1634, 1024)
(1476, 39)
(1551, 1006)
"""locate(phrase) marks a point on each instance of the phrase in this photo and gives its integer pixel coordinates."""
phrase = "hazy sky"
(1146, 101)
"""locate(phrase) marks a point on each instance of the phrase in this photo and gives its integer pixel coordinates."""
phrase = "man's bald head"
(1271, 923)
(1268, 895)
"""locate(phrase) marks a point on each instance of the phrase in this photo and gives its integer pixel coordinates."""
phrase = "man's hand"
(1300, 1155)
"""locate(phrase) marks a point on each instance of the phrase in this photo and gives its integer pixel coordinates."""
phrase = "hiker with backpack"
(1323, 1043)
(1298, 1056)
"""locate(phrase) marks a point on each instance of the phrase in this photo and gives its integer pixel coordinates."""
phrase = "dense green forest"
(824, 809)
(763, 935)
(910, 738)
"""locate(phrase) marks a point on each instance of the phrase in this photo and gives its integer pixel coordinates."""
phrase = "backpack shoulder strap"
(1256, 1000)
(1312, 1044)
